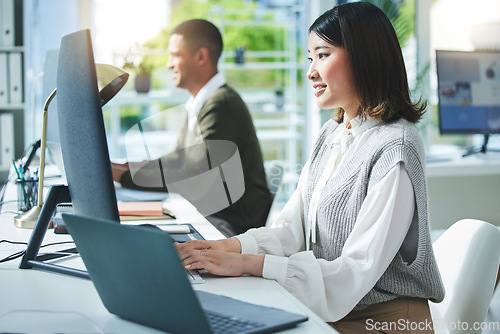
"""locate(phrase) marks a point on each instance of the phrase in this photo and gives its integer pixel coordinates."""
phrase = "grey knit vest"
(342, 197)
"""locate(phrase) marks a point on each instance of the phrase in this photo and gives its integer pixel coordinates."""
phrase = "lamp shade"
(110, 80)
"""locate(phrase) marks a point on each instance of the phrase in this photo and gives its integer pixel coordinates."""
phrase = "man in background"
(215, 113)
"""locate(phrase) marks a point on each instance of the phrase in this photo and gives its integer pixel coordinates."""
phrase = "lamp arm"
(42, 147)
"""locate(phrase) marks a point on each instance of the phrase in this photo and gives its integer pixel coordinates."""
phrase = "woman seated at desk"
(353, 242)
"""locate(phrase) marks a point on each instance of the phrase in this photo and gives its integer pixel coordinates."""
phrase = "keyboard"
(194, 276)
(222, 324)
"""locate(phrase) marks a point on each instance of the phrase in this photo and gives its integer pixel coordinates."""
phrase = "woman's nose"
(312, 73)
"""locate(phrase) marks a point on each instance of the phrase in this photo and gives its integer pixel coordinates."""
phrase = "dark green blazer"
(224, 116)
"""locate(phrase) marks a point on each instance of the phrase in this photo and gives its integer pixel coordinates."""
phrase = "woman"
(353, 242)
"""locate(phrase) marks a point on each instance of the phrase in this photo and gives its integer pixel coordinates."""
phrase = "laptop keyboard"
(194, 276)
(222, 324)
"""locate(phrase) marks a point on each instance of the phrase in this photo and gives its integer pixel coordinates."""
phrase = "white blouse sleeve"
(333, 288)
(286, 235)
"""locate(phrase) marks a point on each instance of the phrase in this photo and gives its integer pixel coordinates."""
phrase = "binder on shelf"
(3, 80)
(1, 22)
(7, 22)
(18, 23)
(15, 77)
(6, 139)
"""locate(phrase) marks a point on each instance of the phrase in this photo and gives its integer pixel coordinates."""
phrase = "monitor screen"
(469, 92)
(81, 128)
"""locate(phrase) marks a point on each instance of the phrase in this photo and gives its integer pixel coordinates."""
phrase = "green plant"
(138, 61)
(401, 15)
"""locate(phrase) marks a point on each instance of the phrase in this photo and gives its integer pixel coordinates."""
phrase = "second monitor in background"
(469, 93)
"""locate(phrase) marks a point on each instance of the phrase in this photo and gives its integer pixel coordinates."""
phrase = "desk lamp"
(110, 80)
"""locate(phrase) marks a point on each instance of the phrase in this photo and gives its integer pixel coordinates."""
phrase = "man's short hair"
(199, 33)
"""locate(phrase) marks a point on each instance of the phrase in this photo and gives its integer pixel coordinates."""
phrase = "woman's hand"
(224, 263)
(224, 245)
(221, 257)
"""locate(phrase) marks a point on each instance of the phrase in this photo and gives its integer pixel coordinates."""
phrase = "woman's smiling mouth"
(319, 89)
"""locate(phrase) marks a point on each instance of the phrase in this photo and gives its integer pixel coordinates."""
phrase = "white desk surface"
(474, 165)
(34, 301)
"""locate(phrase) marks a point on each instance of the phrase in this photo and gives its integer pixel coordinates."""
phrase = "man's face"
(181, 62)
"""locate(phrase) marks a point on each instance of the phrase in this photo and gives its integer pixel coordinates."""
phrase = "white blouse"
(333, 288)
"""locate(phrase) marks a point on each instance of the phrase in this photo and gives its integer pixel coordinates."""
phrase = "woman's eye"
(322, 55)
(309, 59)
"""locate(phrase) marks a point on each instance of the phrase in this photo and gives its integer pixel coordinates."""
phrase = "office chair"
(274, 176)
(467, 255)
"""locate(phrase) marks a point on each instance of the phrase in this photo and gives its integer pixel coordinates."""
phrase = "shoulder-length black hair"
(375, 58)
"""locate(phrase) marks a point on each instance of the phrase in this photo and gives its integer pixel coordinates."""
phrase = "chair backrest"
(467, 255)
(274, 176)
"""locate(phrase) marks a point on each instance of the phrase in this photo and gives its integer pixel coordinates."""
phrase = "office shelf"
(12, 81)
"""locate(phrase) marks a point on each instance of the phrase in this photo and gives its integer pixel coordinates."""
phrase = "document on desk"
(144, 211)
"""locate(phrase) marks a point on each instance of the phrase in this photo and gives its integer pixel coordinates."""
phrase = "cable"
(12, 212)
(4, 187)
(9, 201)
(13, 256)
(21, 253)
(14, 242)
(58, 243)
(7, 211)
(58, 253)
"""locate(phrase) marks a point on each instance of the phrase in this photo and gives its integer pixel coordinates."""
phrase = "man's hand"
(118, 170)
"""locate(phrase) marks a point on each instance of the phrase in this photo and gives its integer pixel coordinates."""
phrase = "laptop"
(139, 277)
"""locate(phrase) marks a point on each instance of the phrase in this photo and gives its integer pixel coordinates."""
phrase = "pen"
(19, 177)
(17, 171)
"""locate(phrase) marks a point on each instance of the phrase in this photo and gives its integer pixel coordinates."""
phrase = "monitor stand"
(483, 149)
(57, 194)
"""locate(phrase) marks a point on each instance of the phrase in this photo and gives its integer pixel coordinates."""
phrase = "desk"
(36, 301)
(466, 187)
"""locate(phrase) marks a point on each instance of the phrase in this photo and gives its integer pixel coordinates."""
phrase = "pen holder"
(27, 194)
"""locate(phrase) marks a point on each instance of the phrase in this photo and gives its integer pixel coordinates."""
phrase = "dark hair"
(199, 33)
(375, 58)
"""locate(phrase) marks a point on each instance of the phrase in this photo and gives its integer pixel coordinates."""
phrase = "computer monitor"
(82, 132)
(53, 142)
(469, 92)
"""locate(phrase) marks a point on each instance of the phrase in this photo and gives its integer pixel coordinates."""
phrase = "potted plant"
(142, 79)
(138, 63)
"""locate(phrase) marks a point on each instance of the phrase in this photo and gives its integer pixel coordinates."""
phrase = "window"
(264, 59)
